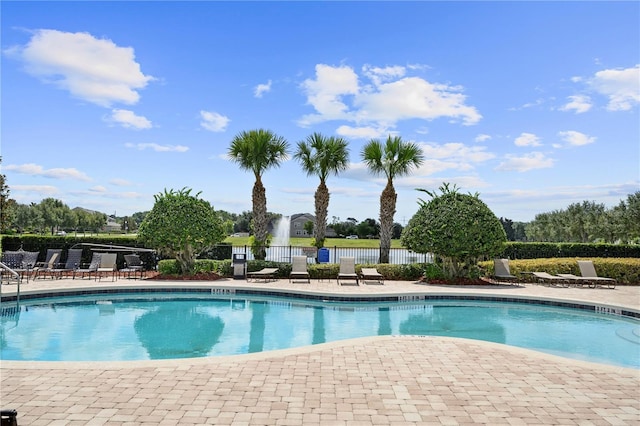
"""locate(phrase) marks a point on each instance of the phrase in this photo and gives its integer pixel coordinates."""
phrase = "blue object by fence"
(323, 255)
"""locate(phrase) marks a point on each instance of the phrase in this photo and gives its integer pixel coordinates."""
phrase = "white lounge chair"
(74, 257)
(347, 270)
(589, 276)
(548, 279)
(48, 268)
(107, 266)
(299, 269)
(132, 266)
(92, 268)
(502, 272)
(371, 274)
(266, 274)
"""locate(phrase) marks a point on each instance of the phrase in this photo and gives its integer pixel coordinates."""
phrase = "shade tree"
(182, 226)
(257, 151)
(458, 229)
(393, 158)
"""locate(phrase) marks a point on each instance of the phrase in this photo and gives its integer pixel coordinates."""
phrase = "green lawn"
(329, 242)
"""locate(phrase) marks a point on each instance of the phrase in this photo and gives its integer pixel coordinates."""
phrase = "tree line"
(579, 222)
(589, 222)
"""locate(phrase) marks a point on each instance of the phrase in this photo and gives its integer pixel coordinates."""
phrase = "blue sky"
(534, 105)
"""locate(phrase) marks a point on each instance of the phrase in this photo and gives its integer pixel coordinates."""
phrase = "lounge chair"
(49, 268)
(29, 262)
(502, 272)
(548, 279)
(347, 270)
(589, 276)
(13, 261)
(107, 266)
(266, 274)
(299, 269)
(47, 261)
(92, 268)
(74, 257)
(132, 265)
(371, 274)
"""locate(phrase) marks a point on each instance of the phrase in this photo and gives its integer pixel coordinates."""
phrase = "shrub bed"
(625, 270)
(519, 250)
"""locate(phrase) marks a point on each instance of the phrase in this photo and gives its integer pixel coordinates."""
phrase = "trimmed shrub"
(625, 270)
(519, 250)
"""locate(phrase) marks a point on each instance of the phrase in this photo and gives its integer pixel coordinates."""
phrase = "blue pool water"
(125, 327)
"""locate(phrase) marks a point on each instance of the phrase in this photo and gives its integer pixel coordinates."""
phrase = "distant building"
(112, 225)
(296, 227)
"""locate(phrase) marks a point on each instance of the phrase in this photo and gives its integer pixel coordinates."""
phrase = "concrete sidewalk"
(381, 380)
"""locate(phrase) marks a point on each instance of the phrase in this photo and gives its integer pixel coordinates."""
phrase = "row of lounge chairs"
(300, 272)
(26, 265)
(588, 276)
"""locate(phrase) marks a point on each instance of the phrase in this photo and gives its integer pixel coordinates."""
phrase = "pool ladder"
(7, 276)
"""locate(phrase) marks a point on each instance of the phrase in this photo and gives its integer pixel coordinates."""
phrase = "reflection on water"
(118, 328)
(472, 323)
(177, 331)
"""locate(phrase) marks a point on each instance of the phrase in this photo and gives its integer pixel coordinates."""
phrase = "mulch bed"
(212, 276)
(464, 281)
(204, 276)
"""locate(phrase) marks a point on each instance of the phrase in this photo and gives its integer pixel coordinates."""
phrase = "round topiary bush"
(458, 229)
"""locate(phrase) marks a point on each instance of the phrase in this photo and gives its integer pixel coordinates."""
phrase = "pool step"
(631, 334)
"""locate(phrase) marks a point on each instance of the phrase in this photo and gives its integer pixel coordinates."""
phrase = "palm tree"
(322, 156)
(258, 150)
(394, 158)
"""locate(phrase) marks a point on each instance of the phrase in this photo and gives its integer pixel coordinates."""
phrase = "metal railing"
(398, 256)
(6, 271)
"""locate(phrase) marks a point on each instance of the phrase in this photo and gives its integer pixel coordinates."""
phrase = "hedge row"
(624, 270)
(329, 271)
(42, 243)
(519, 250)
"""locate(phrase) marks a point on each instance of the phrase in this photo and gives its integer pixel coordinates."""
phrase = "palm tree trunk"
(387, 211)
(322, 205)
(259, 199)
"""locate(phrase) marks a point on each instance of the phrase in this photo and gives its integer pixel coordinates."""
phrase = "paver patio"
(381, 380)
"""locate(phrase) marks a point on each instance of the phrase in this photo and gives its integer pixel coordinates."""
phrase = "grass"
(244, 241)
(329, 242)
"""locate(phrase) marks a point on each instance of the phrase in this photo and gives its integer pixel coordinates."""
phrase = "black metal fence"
(398, 256)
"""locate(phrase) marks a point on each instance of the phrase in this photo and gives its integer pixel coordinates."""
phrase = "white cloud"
(578, 104)
(92, 69)
(45, 190)
(55, 173)
(100, 193)
(378, 75)
(260, 89)
(482, 138)
(129, 119)
(158, 148)
(453, 155)
(325, 93)
(574, 138)
(120, 182)
(336, 94)
(437, 158)
(361, 132)
(621, 86)
(430, 183)
(535, 103)
(527, 139)
(411, 98)
(531, 161)
(213, 121)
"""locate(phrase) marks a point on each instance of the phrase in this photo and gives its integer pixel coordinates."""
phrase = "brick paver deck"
(381, 380)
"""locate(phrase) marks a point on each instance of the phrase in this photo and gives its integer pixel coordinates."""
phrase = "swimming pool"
(159, 326)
